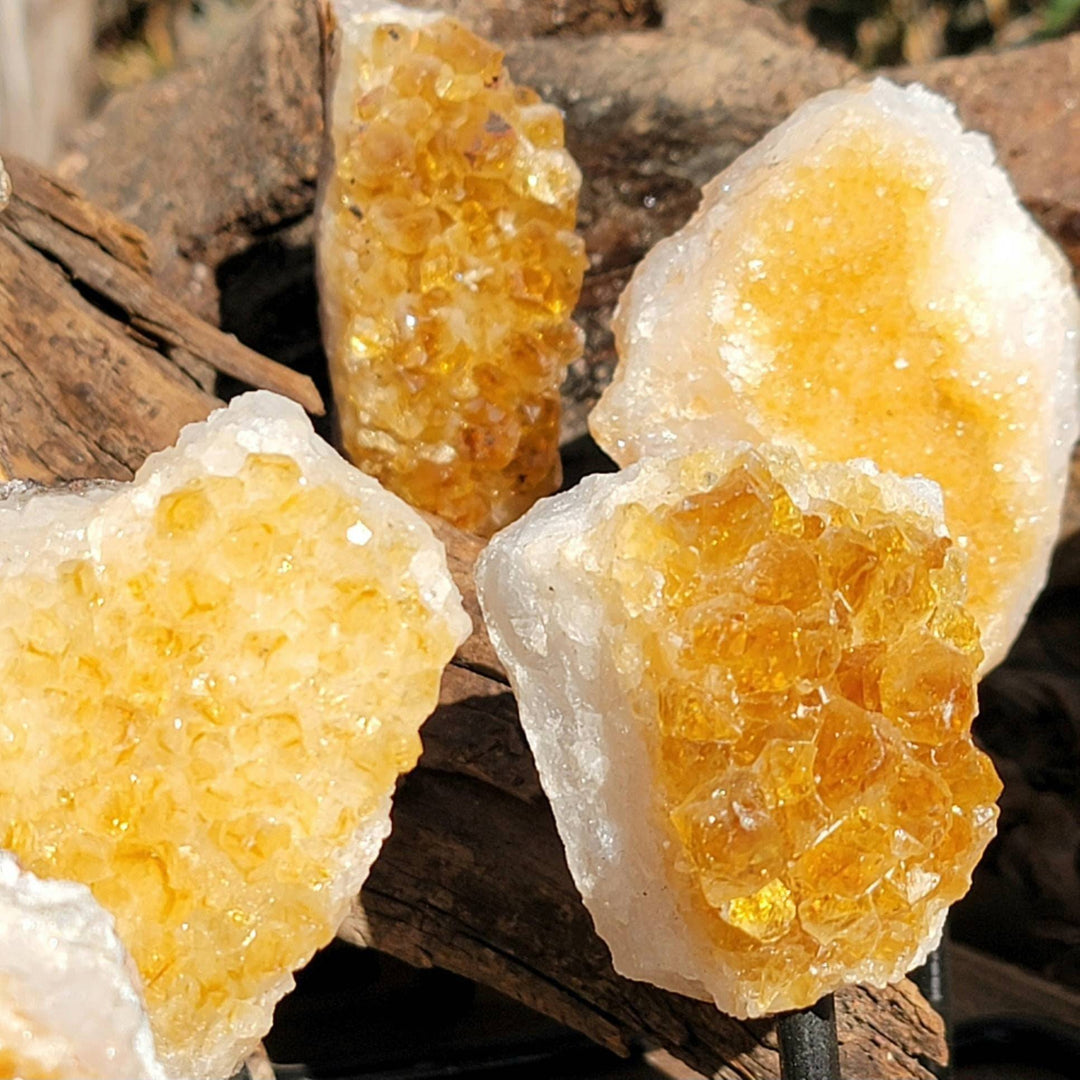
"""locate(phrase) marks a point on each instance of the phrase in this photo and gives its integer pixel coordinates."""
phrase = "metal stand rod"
(932, 979)
(809, 1049)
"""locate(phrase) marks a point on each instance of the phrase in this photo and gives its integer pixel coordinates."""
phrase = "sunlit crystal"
(863, 283)
(749, 691)
(448, 266)
(210, 680)
(69, 1007)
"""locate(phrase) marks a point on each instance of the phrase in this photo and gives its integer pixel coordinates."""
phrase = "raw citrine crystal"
(210, 679)
(448, 266)
(749, 690)
(865, 283)
(69, 1007)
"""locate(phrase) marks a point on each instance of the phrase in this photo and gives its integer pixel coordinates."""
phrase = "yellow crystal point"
(448, 266)
(210, 680)
(760, 682)
(864, 284)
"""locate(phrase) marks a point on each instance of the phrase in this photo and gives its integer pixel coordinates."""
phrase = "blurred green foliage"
(1060, 16)
(885, 32)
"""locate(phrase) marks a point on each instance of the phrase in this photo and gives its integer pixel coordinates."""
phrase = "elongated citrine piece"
(448, 267)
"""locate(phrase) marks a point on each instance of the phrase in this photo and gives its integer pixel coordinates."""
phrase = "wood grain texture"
(81, 395)
(107, 260)
(983, 986)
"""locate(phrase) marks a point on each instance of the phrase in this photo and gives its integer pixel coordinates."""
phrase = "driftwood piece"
(90, 346)
(109, 272)
(79, 395)
(474, 877)
(984, 986)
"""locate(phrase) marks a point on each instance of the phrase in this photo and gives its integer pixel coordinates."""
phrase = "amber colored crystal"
(197, 720)
(810, 710)
(854, 311)
(448, 272)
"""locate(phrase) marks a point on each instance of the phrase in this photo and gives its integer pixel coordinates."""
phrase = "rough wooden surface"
(98, 366)
(473, 877)
(79, 394)
(983, 986)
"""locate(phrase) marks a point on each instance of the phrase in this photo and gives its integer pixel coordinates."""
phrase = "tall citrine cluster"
(209, 685)
(448, 265)
(808, 680)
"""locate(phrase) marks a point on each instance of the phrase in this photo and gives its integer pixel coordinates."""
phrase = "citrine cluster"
(449, 270)
(203, 714)
(864, 283)
(808, 678)
(761, 682)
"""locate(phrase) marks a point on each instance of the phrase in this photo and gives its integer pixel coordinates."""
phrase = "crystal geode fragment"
(210, 680)
(69, 1007)
(448, 265)
(864, 283)
(749, 691)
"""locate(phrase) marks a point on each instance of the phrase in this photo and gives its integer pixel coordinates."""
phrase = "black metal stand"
(809, 1049)
(932, 979)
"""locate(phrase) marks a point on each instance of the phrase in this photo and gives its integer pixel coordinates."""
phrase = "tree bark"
(473, 877)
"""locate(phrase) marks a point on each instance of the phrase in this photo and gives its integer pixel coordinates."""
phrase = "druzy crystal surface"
(69, 1007)
(448, 266)
(863, 283)
(749, 691)
(210, 679)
